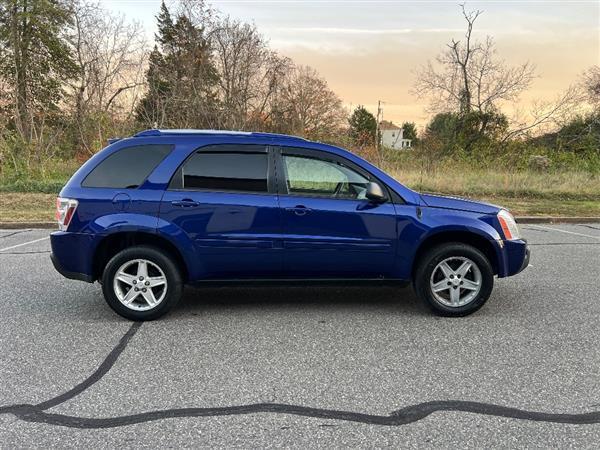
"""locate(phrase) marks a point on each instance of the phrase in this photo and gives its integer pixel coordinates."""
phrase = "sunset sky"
(370, 50)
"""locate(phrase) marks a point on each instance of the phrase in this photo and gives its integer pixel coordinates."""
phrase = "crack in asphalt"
(37, 413)
(13, 233)
(590, 226)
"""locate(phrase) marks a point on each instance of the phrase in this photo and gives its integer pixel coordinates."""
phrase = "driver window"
(315, 177)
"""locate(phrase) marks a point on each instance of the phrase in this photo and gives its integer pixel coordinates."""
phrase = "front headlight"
(509, 226)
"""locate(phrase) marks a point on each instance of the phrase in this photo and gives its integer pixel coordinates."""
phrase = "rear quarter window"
(127, 168)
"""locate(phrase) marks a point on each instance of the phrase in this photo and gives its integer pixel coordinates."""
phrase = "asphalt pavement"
(304, 367)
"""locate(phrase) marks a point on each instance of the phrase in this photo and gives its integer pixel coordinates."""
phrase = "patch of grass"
(547, 207)
(27, 207)
(560, 187)
(39, 186)
(48, 179)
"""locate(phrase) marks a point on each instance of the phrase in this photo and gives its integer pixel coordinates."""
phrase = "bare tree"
(469, 76)
(249, 74)
(591, 86)
(305, 105)
(109, 53)
(546, 115)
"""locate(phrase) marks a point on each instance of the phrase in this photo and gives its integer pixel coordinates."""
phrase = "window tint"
(128, 167)
(223, 171)
(315, 177)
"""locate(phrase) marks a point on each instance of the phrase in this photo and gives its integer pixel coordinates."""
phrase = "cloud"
(371, 31)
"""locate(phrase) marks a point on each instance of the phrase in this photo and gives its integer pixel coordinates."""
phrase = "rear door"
(330, 229)
(224, 197)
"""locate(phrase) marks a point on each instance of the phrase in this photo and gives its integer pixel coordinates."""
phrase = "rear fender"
(109, 225)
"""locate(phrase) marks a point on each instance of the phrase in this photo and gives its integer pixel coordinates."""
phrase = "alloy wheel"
(140, 284)
(456, 281)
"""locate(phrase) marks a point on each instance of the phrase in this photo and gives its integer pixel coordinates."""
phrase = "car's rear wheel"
(454, 279)
(141, 283)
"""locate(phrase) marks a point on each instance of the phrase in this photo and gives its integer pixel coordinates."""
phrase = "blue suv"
(165, 208)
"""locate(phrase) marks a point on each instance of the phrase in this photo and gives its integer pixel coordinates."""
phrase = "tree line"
(469, 86)
(72, 75)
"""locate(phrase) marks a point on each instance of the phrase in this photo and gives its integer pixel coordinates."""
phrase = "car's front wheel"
(141, 283)
(454, 279)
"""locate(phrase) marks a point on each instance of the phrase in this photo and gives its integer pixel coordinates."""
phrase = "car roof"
(195, 132)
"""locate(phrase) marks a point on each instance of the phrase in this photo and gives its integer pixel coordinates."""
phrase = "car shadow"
(384, 300)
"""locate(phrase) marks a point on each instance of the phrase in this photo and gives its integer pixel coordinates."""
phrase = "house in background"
(392, 136)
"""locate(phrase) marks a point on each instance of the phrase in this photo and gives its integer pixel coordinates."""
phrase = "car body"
(226, 206)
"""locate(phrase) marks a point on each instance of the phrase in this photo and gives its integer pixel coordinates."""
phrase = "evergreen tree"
(35, 57)
(363, 126)
(409, 131)
(181, 76)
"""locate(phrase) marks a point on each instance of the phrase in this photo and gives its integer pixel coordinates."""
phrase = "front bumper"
(525, 260)
(516, 256)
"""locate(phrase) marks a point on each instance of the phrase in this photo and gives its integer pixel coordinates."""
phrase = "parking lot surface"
(311, 366)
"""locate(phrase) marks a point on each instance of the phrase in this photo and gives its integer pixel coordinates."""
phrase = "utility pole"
(379, 119)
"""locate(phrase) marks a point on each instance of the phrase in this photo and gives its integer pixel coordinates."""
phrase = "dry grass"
(26, 206)
(518, 185)
(547, 207)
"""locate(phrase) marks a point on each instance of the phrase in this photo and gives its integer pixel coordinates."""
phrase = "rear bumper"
(72, 255)
(68, 274)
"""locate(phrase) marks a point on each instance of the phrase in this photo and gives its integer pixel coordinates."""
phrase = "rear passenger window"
(128, 167)
(225, 171)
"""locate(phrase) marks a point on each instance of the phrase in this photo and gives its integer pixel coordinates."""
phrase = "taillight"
(65, 208)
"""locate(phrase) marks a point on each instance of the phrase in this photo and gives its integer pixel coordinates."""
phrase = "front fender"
(470, 222)
(436, 222)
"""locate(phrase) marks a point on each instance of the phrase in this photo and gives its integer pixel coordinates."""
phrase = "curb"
(556, 219)
(19, 225)
(523, 220)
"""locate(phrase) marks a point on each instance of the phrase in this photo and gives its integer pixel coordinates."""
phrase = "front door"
(330, 229)
(223, 197)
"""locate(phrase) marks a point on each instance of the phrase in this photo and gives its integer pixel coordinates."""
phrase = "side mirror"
(375, 193)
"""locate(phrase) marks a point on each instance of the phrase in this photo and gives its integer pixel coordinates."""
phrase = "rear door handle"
(299, 210)
(185, 203)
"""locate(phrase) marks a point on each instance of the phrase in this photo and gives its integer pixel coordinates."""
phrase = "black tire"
(430, 260)
(163, 260)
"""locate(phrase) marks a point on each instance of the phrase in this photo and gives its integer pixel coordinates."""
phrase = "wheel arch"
(474, 239)
(113, 243)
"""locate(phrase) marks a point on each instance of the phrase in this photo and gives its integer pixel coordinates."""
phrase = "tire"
(440, 287)
(154, 298)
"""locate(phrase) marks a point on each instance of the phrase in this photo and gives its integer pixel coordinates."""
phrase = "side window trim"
(176, 182)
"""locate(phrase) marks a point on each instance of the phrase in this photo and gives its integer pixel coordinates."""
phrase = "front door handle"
(185, 203)
(299, 210)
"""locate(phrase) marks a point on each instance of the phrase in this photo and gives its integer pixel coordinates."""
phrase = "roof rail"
(182, 132)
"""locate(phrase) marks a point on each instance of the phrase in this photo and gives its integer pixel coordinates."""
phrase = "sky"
(371, 50)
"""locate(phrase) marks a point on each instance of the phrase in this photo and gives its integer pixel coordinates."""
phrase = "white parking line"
(24, 243)
(565, 231)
